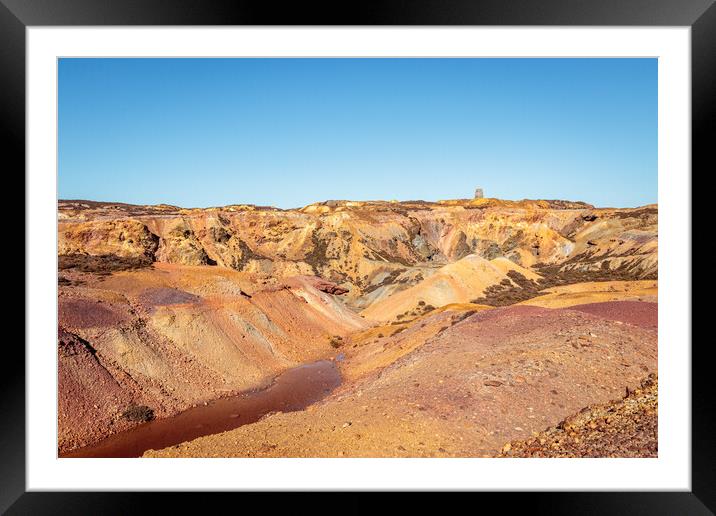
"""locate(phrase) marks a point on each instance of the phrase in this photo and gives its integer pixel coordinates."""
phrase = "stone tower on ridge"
(478, 193)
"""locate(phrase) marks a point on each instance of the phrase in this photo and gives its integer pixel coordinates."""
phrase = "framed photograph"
(414, 250)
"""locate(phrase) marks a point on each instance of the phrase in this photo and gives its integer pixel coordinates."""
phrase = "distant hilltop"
(67, 206)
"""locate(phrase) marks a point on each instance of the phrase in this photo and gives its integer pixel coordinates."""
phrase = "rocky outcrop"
(356, 245)
(622, 428)
(125, 238)
(326, 286)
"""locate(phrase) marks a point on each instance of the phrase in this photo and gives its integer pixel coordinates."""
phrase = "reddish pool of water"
(293, 390)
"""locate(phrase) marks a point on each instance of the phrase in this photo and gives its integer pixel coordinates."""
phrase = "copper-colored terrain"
(457, 326)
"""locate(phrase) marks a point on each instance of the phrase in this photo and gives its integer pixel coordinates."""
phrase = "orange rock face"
(372, 249)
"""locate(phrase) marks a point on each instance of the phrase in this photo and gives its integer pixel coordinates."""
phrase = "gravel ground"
(622, 428)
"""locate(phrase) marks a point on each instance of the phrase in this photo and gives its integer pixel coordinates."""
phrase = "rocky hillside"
(375, 249)
(169, 336)
(162, 308)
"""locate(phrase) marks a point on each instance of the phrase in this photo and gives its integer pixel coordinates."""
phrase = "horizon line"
(324, 203)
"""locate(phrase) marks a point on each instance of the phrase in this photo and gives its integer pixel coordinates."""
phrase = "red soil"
(89, 398)
(632, 312)
(84, 313)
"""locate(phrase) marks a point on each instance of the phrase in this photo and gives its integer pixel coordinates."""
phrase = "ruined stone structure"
(478, 193)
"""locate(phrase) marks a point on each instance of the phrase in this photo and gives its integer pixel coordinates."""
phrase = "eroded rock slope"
(162, 308)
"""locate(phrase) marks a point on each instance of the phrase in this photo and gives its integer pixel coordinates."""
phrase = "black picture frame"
(17, 15)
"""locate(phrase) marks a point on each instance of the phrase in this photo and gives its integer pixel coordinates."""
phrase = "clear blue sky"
(289, 132)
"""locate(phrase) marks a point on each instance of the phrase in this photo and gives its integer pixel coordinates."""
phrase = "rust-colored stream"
(293, 390)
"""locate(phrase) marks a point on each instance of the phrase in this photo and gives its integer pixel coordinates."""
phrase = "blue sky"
(290, 132)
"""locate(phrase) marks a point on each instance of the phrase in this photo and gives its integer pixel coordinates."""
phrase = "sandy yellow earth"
(458, 282)
(596, 292)
(380, 346)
